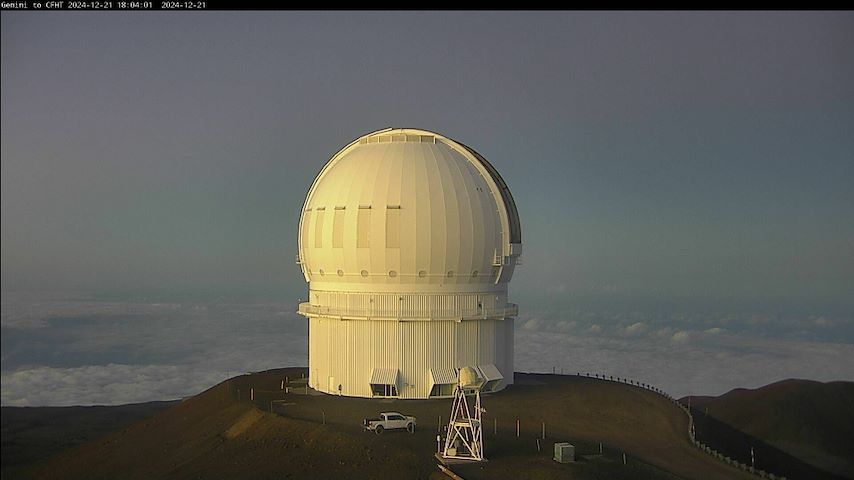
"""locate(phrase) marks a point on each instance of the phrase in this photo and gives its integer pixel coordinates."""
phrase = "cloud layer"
(81, 352)
(78, 351)
(685, 353)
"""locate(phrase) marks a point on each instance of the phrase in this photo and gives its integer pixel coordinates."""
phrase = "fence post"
(517, 427)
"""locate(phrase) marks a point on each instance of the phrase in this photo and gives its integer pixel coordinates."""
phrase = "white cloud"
(100, 354)
(636, 328)
(695, 368)
(681, 336)
(566, 325)
(110, 384)
(665, 332)
(531, 324)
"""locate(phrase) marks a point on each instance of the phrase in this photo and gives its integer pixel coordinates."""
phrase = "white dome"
(408, 210)
(408, 241)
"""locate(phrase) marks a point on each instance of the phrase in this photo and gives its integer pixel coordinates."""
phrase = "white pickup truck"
(390, 421)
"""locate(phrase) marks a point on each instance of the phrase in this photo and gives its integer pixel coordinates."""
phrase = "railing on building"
(482, 313)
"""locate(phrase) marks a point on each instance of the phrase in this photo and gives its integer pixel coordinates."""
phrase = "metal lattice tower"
(465, 428)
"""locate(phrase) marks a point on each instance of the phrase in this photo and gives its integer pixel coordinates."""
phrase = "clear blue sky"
(694, 159)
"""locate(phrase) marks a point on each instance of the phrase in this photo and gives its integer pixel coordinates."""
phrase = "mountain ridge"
(808, 419)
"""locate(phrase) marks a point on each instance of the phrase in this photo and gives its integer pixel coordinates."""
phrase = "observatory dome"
(408, 240)
(407, 208)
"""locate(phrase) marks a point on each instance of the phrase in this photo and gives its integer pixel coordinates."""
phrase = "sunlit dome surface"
(407, 206)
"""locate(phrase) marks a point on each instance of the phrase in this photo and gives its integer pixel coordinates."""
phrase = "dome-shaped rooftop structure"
(406, 225)
(402, 208)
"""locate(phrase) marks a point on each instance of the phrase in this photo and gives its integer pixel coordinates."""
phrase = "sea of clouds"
(76, 350)
(688, 354)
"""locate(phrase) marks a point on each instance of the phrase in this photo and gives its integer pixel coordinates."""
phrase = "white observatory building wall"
(346, 352)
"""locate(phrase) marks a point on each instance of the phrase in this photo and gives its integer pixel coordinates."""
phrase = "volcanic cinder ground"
(222, 433)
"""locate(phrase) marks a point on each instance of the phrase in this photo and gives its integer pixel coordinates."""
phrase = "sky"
(683, 182)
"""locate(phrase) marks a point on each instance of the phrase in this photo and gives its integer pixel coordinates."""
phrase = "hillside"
(30, 434)
(220, 434)
(811, 420)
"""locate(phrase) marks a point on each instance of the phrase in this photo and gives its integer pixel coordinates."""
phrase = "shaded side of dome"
(506, 196)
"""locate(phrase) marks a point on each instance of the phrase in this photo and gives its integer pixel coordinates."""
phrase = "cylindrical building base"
(407, 359)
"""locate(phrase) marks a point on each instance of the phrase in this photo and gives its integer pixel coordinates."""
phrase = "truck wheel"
(379, 429)
(410, 427)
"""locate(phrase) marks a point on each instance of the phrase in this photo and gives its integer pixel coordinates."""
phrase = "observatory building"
(408, 240)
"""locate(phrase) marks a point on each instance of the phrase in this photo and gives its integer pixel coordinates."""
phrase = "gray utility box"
(564, 452)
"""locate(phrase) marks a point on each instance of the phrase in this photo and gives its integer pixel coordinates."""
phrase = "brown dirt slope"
(30, 434)
(813, 421)
(220, 433)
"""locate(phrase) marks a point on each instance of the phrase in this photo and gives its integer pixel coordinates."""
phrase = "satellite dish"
(469, 379)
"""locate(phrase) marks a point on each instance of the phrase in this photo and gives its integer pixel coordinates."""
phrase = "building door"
(333, 387)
